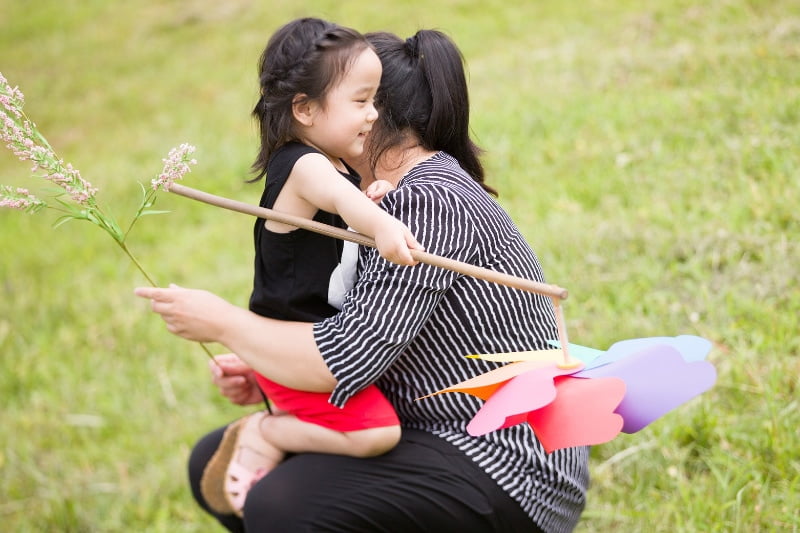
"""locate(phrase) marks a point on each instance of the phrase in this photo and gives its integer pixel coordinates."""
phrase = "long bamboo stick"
(546, 289)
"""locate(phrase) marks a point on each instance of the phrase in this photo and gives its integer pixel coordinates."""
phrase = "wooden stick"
(508, 280)
(562, 337)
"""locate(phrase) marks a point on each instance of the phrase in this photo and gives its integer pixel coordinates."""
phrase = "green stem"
(153, 284)
(136, 262)
(146, 201)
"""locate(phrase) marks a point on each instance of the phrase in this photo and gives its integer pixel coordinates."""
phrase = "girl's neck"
(337, 163)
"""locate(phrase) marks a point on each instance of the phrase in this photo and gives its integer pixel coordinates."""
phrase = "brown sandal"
(226, 480)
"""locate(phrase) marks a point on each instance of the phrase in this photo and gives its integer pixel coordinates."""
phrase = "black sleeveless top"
(293, 270)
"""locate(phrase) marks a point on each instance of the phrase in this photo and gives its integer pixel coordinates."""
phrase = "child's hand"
(395, 241)
(378, 189)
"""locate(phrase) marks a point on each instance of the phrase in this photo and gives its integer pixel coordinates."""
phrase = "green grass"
(647, 150)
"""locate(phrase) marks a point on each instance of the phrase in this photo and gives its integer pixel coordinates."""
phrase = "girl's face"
(340, 126)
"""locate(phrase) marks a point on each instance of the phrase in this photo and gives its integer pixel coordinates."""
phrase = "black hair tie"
(412, 44)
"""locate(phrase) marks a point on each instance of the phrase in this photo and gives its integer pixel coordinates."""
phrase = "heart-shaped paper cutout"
(521, 394)
(581, 415)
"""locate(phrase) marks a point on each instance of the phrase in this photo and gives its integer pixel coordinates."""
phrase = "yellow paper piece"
(550, 356)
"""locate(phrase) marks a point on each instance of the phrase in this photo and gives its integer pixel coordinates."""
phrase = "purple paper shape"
(657, 379)
(510, 403)
(691, 348)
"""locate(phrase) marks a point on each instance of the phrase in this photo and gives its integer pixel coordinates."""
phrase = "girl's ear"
(303, 109)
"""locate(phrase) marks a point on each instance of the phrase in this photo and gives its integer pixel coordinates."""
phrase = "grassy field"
(649, 152)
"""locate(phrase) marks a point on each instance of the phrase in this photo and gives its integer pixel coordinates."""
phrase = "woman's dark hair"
(423, 89)
(306, 56)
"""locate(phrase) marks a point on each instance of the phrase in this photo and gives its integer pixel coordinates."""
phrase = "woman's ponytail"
(423, 91)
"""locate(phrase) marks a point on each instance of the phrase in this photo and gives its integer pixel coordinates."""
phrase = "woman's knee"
(269, 504)
(203, 450)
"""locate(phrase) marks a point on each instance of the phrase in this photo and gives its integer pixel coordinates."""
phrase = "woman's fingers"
(151, 293)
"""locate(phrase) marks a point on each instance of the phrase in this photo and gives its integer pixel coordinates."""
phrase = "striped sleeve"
(391, 304)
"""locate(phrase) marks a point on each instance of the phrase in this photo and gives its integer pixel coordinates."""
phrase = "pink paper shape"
(521, 394)
(581, 415)
(658, 379)
(484, 385)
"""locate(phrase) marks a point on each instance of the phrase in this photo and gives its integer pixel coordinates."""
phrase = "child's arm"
(317, 182)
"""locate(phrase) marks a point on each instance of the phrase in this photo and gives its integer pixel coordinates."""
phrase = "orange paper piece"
(582, 413)
(519, 395)
(484, 385)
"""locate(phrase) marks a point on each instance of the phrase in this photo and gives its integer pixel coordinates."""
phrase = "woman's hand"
(290, 358)
(235, 379)
(193, 314)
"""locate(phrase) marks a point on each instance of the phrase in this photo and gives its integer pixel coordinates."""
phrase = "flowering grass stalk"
(77, 198)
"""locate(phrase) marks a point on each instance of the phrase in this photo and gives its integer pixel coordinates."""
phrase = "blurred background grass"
(648, 151)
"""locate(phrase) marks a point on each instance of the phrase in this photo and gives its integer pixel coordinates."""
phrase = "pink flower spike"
(11, 98)
(176, 165)
(20, 199)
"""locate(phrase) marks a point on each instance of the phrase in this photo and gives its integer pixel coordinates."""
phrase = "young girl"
(318, 81)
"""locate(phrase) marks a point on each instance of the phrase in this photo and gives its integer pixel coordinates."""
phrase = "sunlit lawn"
(649, 152)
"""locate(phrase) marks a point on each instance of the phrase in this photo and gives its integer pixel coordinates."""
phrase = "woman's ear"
(303, 109)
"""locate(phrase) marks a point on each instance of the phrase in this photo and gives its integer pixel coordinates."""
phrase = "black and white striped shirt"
(408, 329)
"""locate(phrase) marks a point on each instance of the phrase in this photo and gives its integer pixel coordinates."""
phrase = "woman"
(406, 329)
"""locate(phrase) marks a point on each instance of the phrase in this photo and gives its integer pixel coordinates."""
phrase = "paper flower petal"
(658, 379)
(521, 394)
(691, 347)
(584, 353)
(550, 356)
(484, 385)
(581, 415)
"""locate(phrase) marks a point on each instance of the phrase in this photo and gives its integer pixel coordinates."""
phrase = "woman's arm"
(283, 351)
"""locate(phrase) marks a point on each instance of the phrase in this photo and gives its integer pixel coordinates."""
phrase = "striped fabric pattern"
(407, 329)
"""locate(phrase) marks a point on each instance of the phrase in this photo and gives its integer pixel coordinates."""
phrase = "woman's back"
(428, 319)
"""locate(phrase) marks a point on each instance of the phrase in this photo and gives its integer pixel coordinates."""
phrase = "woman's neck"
(396, 162)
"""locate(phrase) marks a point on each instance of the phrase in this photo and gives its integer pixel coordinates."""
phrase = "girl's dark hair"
(306, 56)
(423, 89)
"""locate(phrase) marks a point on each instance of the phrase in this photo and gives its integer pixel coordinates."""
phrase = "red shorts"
(367, 409)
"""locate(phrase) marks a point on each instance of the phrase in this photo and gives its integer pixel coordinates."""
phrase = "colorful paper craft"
(658, 379)
(623, 389)
(519, 395)
(691, 348)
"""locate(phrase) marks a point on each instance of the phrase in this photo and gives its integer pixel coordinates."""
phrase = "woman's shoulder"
(440, 168)
(441, 176)
(439, 192)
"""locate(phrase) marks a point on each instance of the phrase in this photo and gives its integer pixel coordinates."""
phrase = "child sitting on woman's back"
(318, 81)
